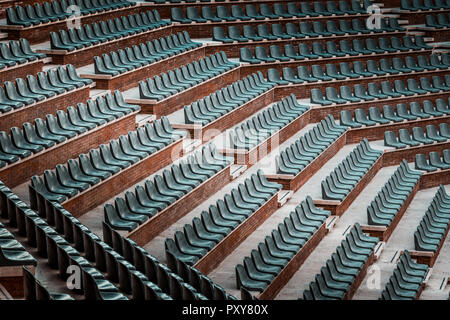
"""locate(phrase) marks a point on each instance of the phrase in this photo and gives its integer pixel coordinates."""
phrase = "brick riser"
(20, 71)
(16, 118)
(21, 171)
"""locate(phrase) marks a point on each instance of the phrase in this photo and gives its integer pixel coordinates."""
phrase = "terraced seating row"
(401, 113)
(434, 162)
(16, 53)
(58, 10)
(104, 31)
(439, 21)
(406, 282)
(265, 12)
(187, 76)
(373, 91)
(330, 50)
(36, 89)
(405, 139)
(418, 5)
(204, 233)
(330, 71)
(223, 101)
(12, 253)
(433, 227)
(130, 58)
(349, 172)
(296, 31)
(308, 147)
(44, 134)
(108, 160)
(174, 183)
(59, 253)
(34, 289)
(264, 264)
(338, 276)
(265, 124)
(391, 198)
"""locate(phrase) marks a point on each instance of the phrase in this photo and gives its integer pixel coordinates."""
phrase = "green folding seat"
(305, 29)
(432, 133)
(222, 13)
(390, 140)
(374, 91)
(303, 74)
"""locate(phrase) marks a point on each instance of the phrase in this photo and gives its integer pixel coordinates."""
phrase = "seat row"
(109, 159)
(103, 31)
(266, 123)
(434, 224)
(434, 162)
(390, 199)
(226, 99)
(177, 80)
(418, 5)
(206, 232)
(440, 21)
(275, 54)
(330, 71)
(58, 10)
(12, 253)
(401, 113)
(44, 134)
(58, 252)
(40, 87)
(308, 147)
(262, 266)
(349, 172)
(373, 91)
(405, 139)
(339, 273)
(16, 53)
(291, 10)
(129, 58)
(171, 185)
(405, 281)
(297, 31)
